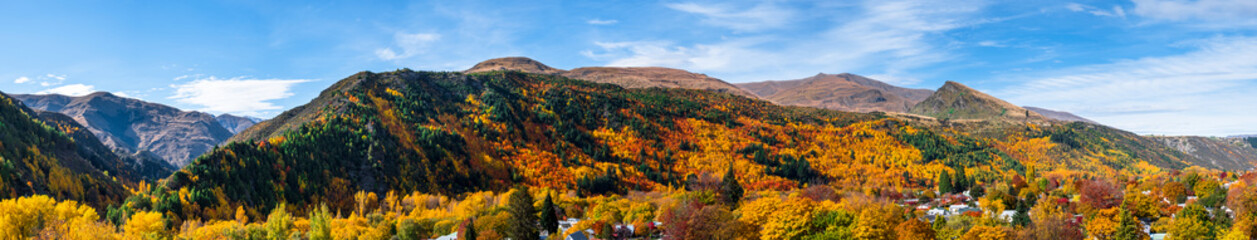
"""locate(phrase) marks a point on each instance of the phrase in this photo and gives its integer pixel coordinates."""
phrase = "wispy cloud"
(21, 80)
(1215, 13)
(70, 90)
(762, 16)
(884, 38)
(235, 95)
(1116, 11)
(1188, 93)
(602, 22)
(410, 44)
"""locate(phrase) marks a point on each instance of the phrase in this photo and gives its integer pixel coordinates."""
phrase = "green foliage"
(730, 190)
(1022, 217)
(320, 224)
(549, 216)
(831, 225)
(944, 183)
(523, 222)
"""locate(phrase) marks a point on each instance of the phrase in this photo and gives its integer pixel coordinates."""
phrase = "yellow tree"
(145, 225)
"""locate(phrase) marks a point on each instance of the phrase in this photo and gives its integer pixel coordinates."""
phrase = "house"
(956, 208)
(1157, 236)
(911, 201)
(1007, 215)
(577, 236)
(451, 236)
(923, 207)
(936, 212)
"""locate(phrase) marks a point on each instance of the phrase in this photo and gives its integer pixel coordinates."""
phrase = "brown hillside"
(845, 92)
(627, 77)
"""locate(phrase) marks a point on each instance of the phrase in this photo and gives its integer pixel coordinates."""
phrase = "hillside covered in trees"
(424, 154)
(452, 133)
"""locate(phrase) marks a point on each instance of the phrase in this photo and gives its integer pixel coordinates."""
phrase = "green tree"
(944, 182)
(549, 216)
(1127, 227)
(731, 191)
(468, 230)
(1022, 218)
(523, 223)
(962, 182)
(320, 224)
(278, 223)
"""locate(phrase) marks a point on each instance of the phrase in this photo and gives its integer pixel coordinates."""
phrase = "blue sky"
(1173, 67)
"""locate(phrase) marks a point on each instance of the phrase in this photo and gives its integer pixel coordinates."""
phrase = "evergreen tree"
(944, 183)
(468, 230)
(731, 191)
(1022, 218)
(549, 216)
(1127, 227)
(962, 182)
(940, 223)
(523, 223)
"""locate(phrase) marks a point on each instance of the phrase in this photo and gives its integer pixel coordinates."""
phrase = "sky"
(1163, 67)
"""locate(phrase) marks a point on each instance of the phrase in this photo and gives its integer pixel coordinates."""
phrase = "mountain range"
(137, 128)
(495, 125)
(628, 77)
(843, 92)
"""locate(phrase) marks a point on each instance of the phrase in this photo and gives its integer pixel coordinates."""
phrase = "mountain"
(1220, 153)
(235, 124)
(133, 126)
(140, 166)
(1059, 115)
(453, 133)
(844, 92)
(628, 77)
(38, 158)
(957, 101)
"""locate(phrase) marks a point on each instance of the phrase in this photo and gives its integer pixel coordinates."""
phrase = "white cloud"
(410, 44)
(70, 90)
(1221, 13)
(883, 38)
(236, 95)
(54, 76)
(1117, 11)
(990, 44)
(602, 22)
(1205, 91)
(762, 16)
(21, 80)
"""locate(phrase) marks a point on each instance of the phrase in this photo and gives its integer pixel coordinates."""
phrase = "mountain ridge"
(844, 92)
(628, 77)
(133, 126)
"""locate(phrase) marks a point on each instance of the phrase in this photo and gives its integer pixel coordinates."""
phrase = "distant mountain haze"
(1219, 153)
(235, 124)
(627, 77)
(844, 92)
(133, 126)
(1059, 115)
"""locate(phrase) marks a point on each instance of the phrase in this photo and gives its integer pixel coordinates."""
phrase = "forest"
(417, 155)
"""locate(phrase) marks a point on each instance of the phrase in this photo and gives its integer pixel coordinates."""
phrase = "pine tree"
(1127, 227)
(468, 230)
(962, 182)
(940, 223)
(523, 223)
(1022, 218)
(549, 216)
(731, 191)
(944, 183)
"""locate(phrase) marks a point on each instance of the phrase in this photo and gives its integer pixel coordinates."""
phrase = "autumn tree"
(278, 223)
(1175, 191)
(914, 229)
(730, 190)
(878, 222)
(1100, 194)
(1193, 222)
(549, 216)
(985, 233)
(320, 224)
(523, 222)
(145, 225)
